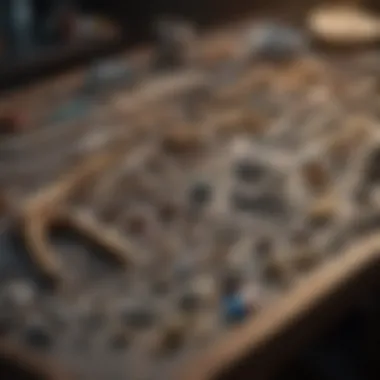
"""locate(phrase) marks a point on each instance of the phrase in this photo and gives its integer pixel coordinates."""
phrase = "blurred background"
(41, 37)
(45, 35)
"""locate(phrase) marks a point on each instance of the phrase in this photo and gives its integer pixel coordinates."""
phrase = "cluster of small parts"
(253, 216)
(44, 323)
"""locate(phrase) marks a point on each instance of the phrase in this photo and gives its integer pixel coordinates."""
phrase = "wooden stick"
(118, 246)
(43, 209)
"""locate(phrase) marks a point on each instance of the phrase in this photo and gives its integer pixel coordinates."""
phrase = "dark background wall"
(136, 17)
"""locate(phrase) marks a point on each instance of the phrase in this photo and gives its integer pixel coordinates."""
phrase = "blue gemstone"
(234, 309)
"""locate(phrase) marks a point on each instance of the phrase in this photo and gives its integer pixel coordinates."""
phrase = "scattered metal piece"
(248, 171)
(172, 336)
(73, 110)
(275, 42)
(108, 75)
(138, 316)
(200, 193)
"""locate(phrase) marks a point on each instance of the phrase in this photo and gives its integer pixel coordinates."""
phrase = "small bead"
(227, 235)
(168, 212)
(94, 321)
(139, 317)
(160, 286)
(183, 270)
(247, 171)
(305, 260)
(323, 211)
(205, 287)
(136, 224)
(37, 336)
(106, 74)
(200, 193)
(231, 282)
(22, 293)
(251, 296)
(234, 309)
(181, 142)
(315, 176)
(300, 237)
(119, 341)
(264, 204)
(172, 336)
(264, 246)
(319, 221)
(189, 302)
(275, 272)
